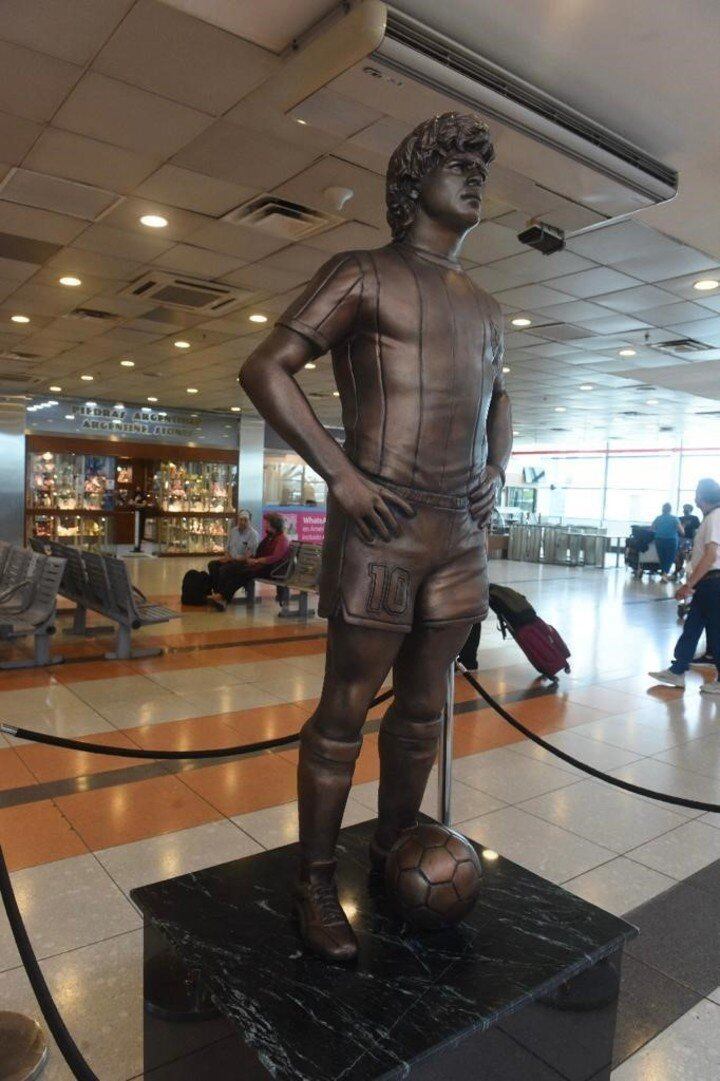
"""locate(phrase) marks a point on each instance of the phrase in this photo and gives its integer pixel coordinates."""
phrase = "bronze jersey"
(417, 355)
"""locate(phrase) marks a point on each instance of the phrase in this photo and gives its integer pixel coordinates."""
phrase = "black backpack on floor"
(195, 587)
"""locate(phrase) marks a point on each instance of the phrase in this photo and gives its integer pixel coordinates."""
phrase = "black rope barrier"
(636, 789)
(138, 752)
(50, 1012)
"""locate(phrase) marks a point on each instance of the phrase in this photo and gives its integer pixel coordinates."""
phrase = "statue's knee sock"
(325, 771)
(407, 753)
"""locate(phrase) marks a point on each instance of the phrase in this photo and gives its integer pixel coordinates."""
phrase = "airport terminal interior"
(188, 187)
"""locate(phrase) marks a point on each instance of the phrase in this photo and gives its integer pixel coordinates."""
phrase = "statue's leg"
(410, 728)
(357, 661)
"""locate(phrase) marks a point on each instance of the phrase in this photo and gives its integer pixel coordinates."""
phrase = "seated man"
(273, 549)
(242, 542)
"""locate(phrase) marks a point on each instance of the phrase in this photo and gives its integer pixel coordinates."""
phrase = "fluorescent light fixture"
(704, 285)
(336, 394)
(55, 388)
(258, 317)
(87, 378)
(235, 409)
(70, 280)
(560, 409)
(506, 369)
(153, 221)
(90, 405)
(627, 353)
(151, 398)
(587, 386)
(310, 366)
(521, 321)
(69, 416)
(19, 319)
(192, 390)
(181, 344)
(127, 363)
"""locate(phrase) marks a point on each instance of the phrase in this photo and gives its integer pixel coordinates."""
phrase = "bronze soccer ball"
(433, 876)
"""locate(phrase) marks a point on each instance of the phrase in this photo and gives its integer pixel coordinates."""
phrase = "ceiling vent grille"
(280, 218)
(683, 345)
(91, 313)
(189, 294)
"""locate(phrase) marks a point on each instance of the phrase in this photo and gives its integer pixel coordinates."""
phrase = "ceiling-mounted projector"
(399, 67)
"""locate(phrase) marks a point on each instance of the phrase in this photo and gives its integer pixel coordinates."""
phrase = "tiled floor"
(79, 831)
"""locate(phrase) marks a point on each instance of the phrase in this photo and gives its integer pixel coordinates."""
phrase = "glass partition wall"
(613, 489)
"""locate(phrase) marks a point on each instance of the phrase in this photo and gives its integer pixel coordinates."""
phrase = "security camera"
(543, 237)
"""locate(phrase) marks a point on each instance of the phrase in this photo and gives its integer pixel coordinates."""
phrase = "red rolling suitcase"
(541, 643)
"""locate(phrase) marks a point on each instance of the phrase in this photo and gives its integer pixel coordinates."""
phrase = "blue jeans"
(704, 615)
(667, 550)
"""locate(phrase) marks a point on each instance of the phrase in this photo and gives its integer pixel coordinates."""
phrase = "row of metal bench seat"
(299, 573)
(29, 584)
(101, 583)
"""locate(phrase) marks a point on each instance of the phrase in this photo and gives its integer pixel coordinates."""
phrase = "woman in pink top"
(272, 549)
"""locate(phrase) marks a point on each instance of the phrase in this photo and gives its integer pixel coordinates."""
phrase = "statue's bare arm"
(268, 378)
(500, 437)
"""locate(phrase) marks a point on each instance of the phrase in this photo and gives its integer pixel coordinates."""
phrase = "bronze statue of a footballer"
(417, 355)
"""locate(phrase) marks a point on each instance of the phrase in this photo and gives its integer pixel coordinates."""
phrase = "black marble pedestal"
(522, 991)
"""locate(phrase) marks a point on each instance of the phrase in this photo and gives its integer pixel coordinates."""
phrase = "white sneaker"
(666, 676)
(711, 688)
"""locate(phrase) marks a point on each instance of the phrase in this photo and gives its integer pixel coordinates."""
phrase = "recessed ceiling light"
(651, 401)
(627, 353)
(258, 317)
(506, 369)
(489, 854)
(192, 390)
(299, 121)
(336, 394)
(128, 363)
(181, 344)
(151, 398)
(310, 365)
(521, 321)
(19, 319)
(706, 284)
(235, 409)
(560, 409)
(55, 388)
(87, 378)
(153, 221)
(587, 386)
(69, 416)
(70, 280)
(91, 405)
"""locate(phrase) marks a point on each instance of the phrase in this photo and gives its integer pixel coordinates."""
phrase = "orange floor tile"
(247, 784)
(23, 679)
(56, 763)
(130, 812)
(13, 772)
(88, 670)
(36, 833)
(193, 734)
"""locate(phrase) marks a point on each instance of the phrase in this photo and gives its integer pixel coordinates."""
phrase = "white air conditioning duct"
(393, 63)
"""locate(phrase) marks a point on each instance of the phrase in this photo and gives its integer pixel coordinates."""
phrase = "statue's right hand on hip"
(374, 509)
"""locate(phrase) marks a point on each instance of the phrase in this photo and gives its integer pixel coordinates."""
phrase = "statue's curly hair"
(422, 151)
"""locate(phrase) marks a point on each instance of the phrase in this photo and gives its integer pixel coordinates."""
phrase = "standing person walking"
(667, 531)
(703, 586)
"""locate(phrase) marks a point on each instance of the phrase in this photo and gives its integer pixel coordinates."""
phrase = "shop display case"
(192, 534)
(91, 530)
(199, 487)
(190, 504)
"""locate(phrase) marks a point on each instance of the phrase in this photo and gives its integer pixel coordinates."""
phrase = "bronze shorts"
(434, 573)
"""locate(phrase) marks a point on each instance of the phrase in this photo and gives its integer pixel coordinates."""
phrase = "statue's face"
(451, 194)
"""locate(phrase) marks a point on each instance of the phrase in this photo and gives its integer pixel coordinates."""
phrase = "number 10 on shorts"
(389, 589)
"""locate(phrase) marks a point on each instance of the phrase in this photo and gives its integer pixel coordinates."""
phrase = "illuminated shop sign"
(103, 419)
